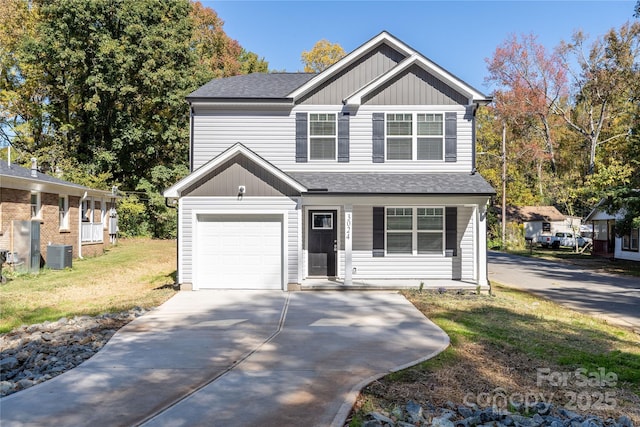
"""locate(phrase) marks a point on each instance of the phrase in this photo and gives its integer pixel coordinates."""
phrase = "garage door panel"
(239, 252)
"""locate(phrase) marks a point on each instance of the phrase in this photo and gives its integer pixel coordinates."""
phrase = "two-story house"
(363, 174)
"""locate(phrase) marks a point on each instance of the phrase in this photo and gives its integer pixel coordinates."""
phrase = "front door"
(323, 242)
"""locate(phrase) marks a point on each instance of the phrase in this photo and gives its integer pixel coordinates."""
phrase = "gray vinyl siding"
(415, 86)
(225, 180)
(191, 206)
(410, 266)
(362, 72)
(272, 136)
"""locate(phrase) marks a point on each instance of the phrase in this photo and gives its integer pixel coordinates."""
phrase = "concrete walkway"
(236, 358)
(615, 298)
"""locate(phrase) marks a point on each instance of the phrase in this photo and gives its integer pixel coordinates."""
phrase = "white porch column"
(348, 239)
(482, 244)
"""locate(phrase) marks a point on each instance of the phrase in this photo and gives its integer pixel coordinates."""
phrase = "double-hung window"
(399, 230)
(323, 138)
(63, 212)
(429, 230)
(414, 230)
(35, 205)
(630, 240)
(414, 136)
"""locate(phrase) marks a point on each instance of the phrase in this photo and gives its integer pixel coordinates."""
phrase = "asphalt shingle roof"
(253, 86)
(20, 172)
(394, 183)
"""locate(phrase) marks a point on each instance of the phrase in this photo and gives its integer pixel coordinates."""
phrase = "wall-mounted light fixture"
(241, 190)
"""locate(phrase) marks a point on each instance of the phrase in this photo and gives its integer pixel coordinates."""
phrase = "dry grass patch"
(513, 345)
(135, 272)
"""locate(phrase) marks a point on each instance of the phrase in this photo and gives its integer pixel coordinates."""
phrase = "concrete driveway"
(236, 358)
(615, 298)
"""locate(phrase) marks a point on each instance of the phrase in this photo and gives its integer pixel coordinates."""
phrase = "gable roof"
(176, 189)
(290, 87)
(264, 86)
(412, 57)
(13, 173)
(534, 213)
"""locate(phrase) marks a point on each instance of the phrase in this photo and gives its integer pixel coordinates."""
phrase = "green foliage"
(95, 90)
(132, 219)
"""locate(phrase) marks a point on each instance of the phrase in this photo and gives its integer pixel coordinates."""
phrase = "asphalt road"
(616, 298)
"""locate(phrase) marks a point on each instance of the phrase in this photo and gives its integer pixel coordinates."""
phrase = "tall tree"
(321, 56)
(602, 86)
(531, 83)
(219, 55)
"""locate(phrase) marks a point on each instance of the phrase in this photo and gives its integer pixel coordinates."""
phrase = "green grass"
(501, 341)
(135, 272)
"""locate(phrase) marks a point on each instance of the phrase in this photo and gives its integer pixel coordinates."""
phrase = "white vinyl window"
(323, 137)
(63, 212)
(415, 230)
(36, 205)
(417, 136)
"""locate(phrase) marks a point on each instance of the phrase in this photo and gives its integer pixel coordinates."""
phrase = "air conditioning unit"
(59, 257)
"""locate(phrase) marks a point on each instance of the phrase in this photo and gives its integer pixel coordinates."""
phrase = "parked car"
(563, 239)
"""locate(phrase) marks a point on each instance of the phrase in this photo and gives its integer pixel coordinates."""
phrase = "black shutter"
(343, 138)
(301, 137)
(378, 231)
(450, 137)
(378, 138)
(451, 232)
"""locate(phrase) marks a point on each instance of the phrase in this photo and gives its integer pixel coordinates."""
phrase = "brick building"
(67, 213)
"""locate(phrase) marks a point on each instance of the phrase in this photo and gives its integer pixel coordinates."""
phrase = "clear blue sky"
(457, 35)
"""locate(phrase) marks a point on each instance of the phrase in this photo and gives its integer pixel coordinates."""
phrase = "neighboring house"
(64, 213)
(543, 220)
(605, 241)
(363, 174)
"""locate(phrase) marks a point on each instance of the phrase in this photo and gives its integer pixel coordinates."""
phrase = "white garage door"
(239, 252)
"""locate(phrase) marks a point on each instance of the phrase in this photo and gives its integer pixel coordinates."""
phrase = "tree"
(219, 55)
(602, 86)
(321, 56)
(532, 82)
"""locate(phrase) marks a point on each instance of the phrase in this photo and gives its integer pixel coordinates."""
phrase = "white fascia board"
(239, 105)
(350, 58)
(176, 189)
(429, 66)
(34, 184)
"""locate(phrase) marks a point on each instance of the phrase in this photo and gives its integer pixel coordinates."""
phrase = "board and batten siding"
(360, 73)
(272, 136)
(415, 86)
(409, 266)
(190, 207)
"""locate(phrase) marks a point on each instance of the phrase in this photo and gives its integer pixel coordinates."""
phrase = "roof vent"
(34, 167)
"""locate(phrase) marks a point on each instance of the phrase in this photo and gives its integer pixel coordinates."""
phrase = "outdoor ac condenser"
(59, 257)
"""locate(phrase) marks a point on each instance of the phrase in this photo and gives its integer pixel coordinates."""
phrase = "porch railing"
(91, 232)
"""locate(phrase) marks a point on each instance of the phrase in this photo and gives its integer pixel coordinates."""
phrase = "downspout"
(172, 205)
(82, 199)
(191, 115)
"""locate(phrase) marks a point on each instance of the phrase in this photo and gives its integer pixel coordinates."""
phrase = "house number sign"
(347, 220)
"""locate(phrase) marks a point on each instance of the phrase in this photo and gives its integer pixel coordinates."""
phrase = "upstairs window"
(323, 136)
(414, 136)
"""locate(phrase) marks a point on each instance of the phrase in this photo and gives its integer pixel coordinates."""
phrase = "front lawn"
(135, 272)
(584, 260)
(516, 345)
